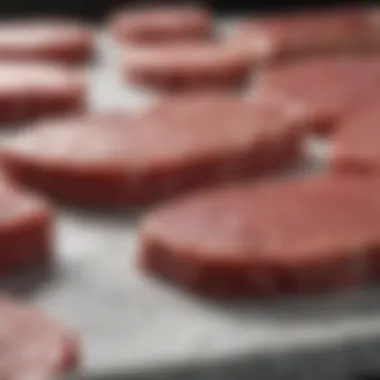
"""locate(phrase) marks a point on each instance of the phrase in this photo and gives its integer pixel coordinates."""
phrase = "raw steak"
(46, 40)
(33, 345)
(161, 25)
(318, 31)
(328, 87)
(301, 235)
(355, 145)
(187, 67)
(33, 90)
(106, 161)
(26, 224)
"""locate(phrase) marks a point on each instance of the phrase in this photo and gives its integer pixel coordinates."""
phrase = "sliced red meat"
(161, 25)
(355, 145)
(25, 231)
(32, 90)
(52, 40)
(33, 345)
(187, 67)
(275, 38)
(328, 87)
(302, 235)
(169, 149)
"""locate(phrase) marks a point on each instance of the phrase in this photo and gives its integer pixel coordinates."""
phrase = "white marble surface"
(133, 326)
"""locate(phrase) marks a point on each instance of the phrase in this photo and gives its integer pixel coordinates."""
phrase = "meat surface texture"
(355, 145)
(329, 87)
(26, 224)
(161, 25)
(46, 40)
(33, 345)
(274, 39)
(173, 147)
(187, 67)
(292, 236)
(32, 90)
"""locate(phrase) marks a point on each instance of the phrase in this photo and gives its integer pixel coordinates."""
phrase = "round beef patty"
(107, 161)
(329, 87)
(302, 235)
(276, 39)
(26, 223)
(161, 25)
(33, 345)
(46, 40)
(187, 67)
(33, 90)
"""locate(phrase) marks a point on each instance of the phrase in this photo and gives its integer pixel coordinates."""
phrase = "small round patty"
(175, 68)
(161, 25)
(46, 40)
(33, 345)
(33, 90)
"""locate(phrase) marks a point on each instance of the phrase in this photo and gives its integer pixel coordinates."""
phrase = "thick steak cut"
(301, 235)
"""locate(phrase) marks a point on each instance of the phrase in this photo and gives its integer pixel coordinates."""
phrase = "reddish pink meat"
(302, 235)
(42, 40)
(355, 145)
(33, 345)
(162, 25)
(286, 36)
(25, 231)
(169, 149)
(328, 87)
(173, 68)
(33, 90)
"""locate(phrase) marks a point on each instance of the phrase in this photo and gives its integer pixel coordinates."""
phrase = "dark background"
(95, 9)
